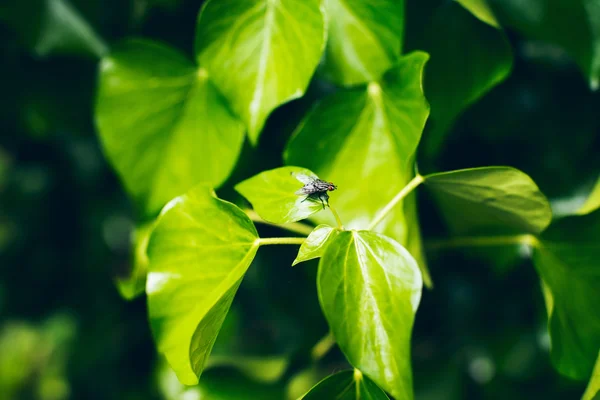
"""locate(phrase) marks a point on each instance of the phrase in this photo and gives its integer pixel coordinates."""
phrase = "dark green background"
(65, 223)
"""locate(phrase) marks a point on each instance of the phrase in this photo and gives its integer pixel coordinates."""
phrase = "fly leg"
(306, 198)
(324, 197)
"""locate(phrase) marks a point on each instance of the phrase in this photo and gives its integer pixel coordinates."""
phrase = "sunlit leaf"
(490, 197)
(163, 124)
(346, 385)
(364, 39)
(567, 261)
(572, 24)
(134, 283)
(199, 251)
(473, 58)
(481, 9)
(364, 140)
(52, 27)
(593, 201)
(369, 289)
(262, 369)
(273, 195)
(260, 53)
(593, 389)
(315, 244)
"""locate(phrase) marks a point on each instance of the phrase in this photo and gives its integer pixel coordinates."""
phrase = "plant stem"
(482, 241)
(296, 227)
(337, 218)
(280, 240)
(322, 347)
(416, 181)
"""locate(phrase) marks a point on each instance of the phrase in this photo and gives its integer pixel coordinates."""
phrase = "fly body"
(314, 188)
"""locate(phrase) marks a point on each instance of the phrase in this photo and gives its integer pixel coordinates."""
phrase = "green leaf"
(199, 252)
(593, 201)
(364, 39)
(262, 369)
(134, 284)
(363, 140)
(52, 27)
(490, 197)
(315, 244)
(369, 289)
(481, 9)
(346, 385)
(260, 53)
(593, 389)
(572, 24)
(273, 195)
(567, 261)
(163, 124)
(473, 58)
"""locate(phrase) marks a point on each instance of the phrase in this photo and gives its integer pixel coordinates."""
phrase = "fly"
(314, 188)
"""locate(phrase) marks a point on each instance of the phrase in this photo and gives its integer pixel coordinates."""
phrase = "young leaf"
(481, 9)
(363, 140)
(260, 53)
(473, 58)
(273, 195)
(364, 39)
(490, 197)
(593, 389)
(369, 289)
(346, 385)
(567, 261)
(573, 25)
(134, 284)
(315, 244)
(199, 252)
(593, 201)
(163, 124)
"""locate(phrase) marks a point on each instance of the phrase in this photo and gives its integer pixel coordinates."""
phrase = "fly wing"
(301, 192)
(303, 177)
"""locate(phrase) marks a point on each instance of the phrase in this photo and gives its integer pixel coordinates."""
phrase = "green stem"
(416, 181)
(322, 347)
(337, 218)
(481, 241)
(280, 240)
(296, 227)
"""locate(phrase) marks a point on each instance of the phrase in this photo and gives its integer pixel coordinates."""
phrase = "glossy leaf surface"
(163, 124)
(199, 251)
(473, 58)
(346, 385)
(369, 288)
(490, 197)
(315, 244)
(364, 39)
(260, 53)
(567, 261)
(364, 140)
(273, 195)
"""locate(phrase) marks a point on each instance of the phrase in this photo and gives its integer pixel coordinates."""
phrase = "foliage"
(433, 266)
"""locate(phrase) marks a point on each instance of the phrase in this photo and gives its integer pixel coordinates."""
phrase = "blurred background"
(66, 227)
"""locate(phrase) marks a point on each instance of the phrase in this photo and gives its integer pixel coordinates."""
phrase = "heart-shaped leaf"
(315, 244)
(490, 197)
(369, 288)
(364, 140)
(567, 261)
(273, 195)
(199, 252)
(473, 58)
(364, 39)
(593, 389)
(163, 124)
(346, 385)
(260, 53)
